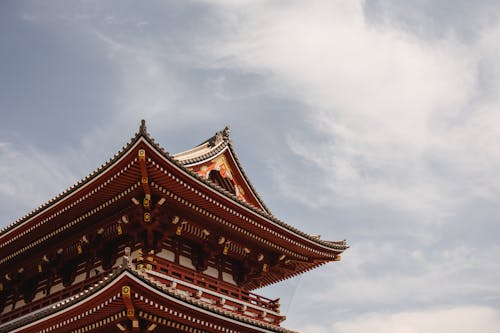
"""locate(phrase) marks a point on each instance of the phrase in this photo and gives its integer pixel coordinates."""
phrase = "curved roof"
(115, 280)
(211, 148)
(182, 161)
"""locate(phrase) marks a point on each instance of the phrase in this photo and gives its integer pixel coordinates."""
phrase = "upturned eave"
(31, 219)
(82, 305)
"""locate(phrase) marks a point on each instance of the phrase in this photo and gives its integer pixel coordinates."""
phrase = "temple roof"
(213, 147)
(127, 274)
(176, 178)
(206, 149)
(209, 148)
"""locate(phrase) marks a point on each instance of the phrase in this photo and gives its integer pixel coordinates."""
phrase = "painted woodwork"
(192, 225)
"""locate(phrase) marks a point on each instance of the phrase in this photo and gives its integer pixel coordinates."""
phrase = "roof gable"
(216, 160)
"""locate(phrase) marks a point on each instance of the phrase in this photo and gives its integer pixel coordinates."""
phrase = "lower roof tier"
(129, 298)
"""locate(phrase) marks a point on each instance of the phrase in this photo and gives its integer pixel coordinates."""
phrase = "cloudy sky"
(375, 121)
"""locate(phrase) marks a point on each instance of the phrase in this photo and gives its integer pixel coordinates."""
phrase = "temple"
(153, 242)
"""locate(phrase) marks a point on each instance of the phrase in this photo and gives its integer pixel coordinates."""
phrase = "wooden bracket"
(144, 176)
(129, 305)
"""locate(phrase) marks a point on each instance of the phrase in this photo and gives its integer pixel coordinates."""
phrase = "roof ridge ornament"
(225, 132)
(220, 136)
(143, 129)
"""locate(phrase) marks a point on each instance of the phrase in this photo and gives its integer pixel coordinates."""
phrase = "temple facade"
(153, 242)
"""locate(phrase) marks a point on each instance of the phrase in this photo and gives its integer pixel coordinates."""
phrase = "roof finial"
(216, 139)
(225, 132)
(220, 137)
(142, 128)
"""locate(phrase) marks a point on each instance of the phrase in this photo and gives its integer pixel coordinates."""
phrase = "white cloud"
(407, 121)
(148, 87)
(153, 80)
(386, 276)
(466, 319)
(46, 173)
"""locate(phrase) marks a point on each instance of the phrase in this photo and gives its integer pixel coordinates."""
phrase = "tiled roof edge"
(153, 283)
(338, 246)
(52, 308)
(82, 182)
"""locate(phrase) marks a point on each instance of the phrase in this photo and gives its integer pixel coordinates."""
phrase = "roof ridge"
(145, 134)
(220, 139)
(337, 245)
(142, 132)
(247, 179)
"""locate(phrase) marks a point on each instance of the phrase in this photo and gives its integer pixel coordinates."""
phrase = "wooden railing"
(213, 291)
(217, 292)
(50, 299)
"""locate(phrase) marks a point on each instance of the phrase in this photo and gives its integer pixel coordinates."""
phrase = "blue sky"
(374, 121)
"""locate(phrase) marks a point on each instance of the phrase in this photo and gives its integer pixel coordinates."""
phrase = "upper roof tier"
(217, 153)
(207, 178)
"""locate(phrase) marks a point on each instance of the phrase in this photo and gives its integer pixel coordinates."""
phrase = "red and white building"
(152, 242)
